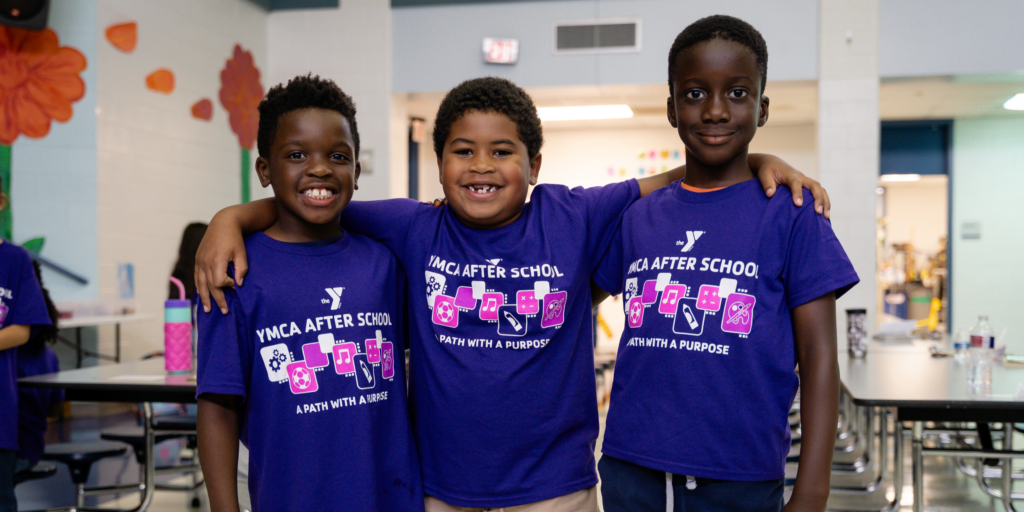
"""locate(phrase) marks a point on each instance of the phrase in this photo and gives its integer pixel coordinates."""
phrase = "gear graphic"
(433, 285)
(277, 360)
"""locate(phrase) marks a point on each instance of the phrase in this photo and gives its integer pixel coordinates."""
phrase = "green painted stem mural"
(5, 176)
(246, 169)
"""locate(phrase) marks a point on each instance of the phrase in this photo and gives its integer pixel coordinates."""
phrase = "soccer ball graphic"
(636, 312)
(445, 311)
(301, 378)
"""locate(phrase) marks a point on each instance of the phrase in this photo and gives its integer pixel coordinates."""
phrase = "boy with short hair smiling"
(704, 378)
(307, 369)
(501, 370)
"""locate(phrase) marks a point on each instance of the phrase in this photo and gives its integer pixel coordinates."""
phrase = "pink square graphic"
(554, 309)
(635, 312)
(489, 305)
(343, 363)
(387, 358)
(708, 298)
(739, 313)
(3, 313)
(670, 297)
(650, 294)
(526, 302)
(301, 378)
(464, 297)
(445, 313)
(372, 351)
(315, 358)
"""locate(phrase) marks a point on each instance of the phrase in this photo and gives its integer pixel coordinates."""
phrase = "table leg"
(917, 438)
(78, 347)
(897, 469)
(1008, 467)
(150, 479)
(117, 342)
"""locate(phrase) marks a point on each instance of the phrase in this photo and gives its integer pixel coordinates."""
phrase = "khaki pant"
(579, 501)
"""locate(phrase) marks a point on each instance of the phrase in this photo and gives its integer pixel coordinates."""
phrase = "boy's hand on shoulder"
(773, 171)
(221, 245)
(441, 201)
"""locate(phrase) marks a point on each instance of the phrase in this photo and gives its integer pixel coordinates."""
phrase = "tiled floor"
(946, 488)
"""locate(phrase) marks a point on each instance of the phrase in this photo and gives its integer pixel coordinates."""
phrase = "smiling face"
(717, 104)
(486, 170)
(313, 168)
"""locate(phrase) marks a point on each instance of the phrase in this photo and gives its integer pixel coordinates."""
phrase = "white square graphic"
(435, 286)
(326, 341)
(726, 288)
(540, 289)
(275, 359)
(664, 279)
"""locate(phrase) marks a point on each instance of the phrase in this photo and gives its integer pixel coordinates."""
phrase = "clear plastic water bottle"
(983, 344)
(961, 342)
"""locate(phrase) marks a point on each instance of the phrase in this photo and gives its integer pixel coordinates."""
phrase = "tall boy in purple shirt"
(501, 371)
(306, 371)
(725, 291)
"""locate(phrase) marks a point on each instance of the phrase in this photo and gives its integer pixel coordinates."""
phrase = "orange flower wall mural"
(240, 94)
(39, 80)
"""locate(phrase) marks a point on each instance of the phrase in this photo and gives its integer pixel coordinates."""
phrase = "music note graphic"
(490, 304)
(343, 353)
(670, 297)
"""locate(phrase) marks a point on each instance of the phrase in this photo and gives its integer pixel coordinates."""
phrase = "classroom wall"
(351, 45)
(437, 47)
(159, 168)
(987, 177)
(917, 212)
(53, 179)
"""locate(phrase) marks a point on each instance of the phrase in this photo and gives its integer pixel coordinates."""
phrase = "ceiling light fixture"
(1015, 103)
(585, 113)
(901, 177)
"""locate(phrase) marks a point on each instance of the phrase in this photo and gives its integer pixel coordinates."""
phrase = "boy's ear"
(534, 168)
(672, 112)
(355, 178)
(762, 116)
(263, 171)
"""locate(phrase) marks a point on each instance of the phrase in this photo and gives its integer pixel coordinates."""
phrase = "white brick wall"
(158, 167)
(848, 137)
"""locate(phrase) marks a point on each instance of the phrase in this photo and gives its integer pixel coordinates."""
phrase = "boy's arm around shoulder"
(14, 336)
(224, 243)
(814, 332)
(771, 171)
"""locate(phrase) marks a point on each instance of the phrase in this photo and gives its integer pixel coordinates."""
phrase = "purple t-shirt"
(705, 372)
(21, 303)
(502, 384)
(34, 403)
(314, 344)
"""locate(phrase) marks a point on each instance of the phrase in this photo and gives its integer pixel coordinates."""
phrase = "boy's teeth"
(482, 190)
(319, 193)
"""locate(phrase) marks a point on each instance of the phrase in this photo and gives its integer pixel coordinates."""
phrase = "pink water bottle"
(178, 333)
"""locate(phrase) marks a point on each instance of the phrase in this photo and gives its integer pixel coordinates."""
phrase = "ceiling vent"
(602, 36)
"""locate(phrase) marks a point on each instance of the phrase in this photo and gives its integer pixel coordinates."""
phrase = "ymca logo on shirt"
(335, 295)
(691, 238)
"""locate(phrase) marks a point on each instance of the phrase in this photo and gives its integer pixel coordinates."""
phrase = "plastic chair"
(79, 458)
(38, 472)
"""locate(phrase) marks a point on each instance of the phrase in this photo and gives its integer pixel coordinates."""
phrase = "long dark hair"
(184, 268)
(48, 334)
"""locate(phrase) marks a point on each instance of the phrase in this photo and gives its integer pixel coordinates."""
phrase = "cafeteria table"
(143, 382)
(902, 375)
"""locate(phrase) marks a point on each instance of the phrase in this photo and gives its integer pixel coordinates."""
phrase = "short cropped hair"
(301, 92)
(723, 27)
(490, 94)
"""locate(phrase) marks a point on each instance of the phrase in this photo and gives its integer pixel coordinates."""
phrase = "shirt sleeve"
(608, 274)
(604, 207)
(28, 306)
(816, 263)
(223, 362)
(386, 221)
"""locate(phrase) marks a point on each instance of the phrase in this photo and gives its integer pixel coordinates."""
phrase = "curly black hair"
(308, 91)
(489, 94)
(723, 27)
